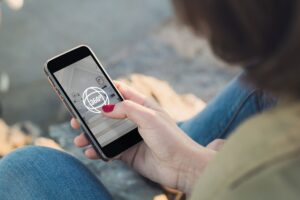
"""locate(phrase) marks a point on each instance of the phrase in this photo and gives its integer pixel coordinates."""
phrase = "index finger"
(135, 96)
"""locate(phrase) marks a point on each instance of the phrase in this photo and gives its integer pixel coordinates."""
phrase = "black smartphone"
(83, 85)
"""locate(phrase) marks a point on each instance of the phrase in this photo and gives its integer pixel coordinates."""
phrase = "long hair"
(263, 35)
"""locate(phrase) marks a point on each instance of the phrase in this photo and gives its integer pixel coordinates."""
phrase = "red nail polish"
(108, 108)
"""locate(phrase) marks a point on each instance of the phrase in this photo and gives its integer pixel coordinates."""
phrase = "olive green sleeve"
(275, 181)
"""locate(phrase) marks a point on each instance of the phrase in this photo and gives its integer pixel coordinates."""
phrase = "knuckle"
(147, 101)
(152, 115)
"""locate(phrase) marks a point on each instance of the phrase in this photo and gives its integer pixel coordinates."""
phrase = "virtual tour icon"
(94, 98)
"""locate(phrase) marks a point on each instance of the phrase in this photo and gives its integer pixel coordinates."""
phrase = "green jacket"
(260, 161)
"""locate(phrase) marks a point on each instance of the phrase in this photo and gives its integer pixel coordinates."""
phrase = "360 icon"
(94, 98)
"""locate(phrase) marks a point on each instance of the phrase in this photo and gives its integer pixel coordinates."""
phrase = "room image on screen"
(88, 89)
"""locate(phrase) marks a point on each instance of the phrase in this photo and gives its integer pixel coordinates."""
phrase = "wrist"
(193, 167)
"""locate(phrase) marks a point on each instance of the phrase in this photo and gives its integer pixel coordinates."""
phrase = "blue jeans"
(41, 173)
(236, 103)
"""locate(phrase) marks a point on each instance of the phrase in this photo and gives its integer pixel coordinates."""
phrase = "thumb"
(137, 113)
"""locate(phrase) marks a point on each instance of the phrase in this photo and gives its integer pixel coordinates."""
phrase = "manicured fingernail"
(108, 108)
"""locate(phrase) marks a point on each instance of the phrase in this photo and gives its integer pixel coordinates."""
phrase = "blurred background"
(129, 37)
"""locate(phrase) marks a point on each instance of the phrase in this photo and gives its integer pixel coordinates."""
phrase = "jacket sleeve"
(274, 181)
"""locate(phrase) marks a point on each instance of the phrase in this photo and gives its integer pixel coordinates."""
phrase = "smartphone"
(84, 87)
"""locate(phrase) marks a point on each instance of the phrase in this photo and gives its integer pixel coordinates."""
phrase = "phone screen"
(89, 89)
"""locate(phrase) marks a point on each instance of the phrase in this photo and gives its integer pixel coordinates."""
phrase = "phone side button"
(58, 92)
(61, 98)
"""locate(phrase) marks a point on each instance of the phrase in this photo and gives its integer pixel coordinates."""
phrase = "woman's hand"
(167, 155)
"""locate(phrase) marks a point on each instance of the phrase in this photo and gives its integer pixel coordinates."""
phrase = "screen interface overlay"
(89, 90)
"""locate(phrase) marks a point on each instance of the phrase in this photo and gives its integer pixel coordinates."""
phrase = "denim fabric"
(236, 103)
(40, 173)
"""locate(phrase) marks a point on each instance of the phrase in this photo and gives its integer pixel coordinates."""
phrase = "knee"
(32, 157)
(29, 172)
(26, 151)
(41, 173)
(27, 155)
(24, 167)
(33, 161)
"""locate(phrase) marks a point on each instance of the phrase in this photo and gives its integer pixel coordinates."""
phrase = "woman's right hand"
(166, 155)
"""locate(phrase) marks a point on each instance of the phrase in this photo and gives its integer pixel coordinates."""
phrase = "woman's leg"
(236, 103)
(42, 173)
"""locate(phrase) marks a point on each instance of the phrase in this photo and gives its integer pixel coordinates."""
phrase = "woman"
(259, 161)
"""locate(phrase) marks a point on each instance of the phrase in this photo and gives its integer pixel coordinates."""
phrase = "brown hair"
(263, 35)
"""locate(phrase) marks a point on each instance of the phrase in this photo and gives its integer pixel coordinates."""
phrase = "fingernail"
(108, 108)
(75, 139)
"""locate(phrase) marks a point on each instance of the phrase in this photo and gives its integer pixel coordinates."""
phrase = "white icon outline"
(102, 96)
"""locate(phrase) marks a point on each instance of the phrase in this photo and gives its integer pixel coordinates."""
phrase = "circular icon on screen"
(94, 98)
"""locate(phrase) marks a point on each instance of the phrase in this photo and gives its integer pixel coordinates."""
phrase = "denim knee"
(44, 173)
(32, 161)
(29, 155)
